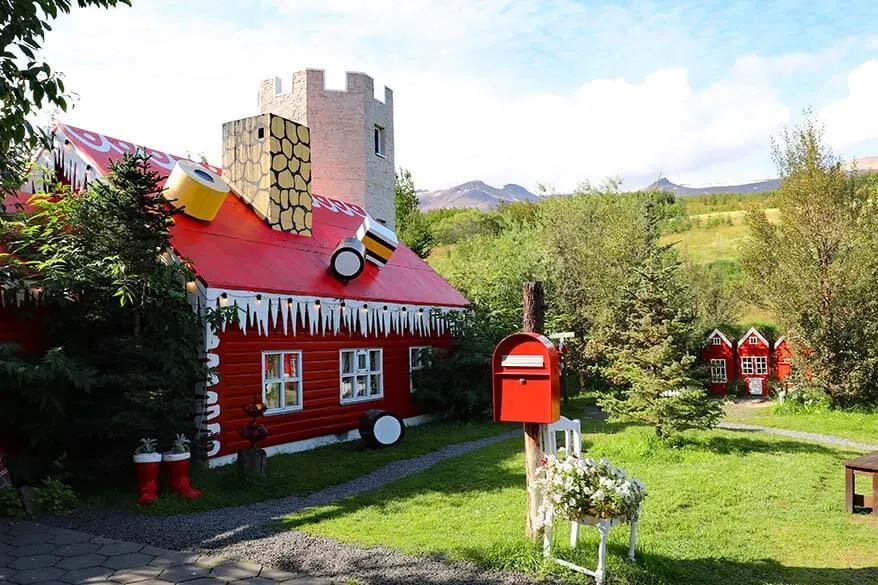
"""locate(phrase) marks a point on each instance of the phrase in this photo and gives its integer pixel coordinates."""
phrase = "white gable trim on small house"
(750, 333)
(780, 340)
(717, 333)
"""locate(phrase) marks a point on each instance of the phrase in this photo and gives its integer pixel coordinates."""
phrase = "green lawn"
(724, 509)
(858, 426)
(301, 473)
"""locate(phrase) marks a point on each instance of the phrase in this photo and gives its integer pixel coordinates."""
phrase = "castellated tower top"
(352, 150)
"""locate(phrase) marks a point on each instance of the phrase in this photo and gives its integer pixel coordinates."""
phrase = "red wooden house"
(334, 313)
(782, 359)
(719, 355)
(754, 355)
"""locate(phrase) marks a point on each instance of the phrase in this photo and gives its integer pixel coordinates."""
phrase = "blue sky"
(523, 91)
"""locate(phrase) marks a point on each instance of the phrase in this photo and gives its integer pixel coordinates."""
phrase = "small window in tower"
(379, 141)
(260, 132)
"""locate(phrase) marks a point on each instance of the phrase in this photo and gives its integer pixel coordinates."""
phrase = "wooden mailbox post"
(527, 388)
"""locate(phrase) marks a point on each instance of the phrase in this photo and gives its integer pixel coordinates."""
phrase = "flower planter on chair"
(146, 469)
(177, 465)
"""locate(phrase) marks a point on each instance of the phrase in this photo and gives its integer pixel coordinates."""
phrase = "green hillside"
(706, 229)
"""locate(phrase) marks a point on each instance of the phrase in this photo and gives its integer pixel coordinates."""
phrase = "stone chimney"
(267, 160)
(351, 137)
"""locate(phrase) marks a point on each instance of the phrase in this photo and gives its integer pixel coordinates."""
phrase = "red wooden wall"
(747, 349)
(322, 413)
(17, 325)
(782, 360)
(721, 351)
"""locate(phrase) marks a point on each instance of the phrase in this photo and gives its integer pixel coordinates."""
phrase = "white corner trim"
(315, 442)
(780, 340)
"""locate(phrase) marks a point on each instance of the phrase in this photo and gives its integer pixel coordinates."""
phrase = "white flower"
(572, 487)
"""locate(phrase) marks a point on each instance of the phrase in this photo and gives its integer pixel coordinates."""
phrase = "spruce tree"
(649, 358)
(113, 316)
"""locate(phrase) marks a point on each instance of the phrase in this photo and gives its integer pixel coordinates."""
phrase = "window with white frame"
(420, 357)
(716, 340)
(753, 340)
(282, 381)
(361, 374)
(718, 371)
(761, 363)
(757, 364)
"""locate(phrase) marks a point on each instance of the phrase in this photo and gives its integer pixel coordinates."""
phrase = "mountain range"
(480, 195)
(757, 187)
(474, 194)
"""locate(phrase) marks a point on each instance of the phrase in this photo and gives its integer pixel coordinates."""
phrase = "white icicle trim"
(320, 315)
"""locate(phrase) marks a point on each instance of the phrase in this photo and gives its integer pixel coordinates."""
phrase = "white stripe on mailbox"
(522, 361)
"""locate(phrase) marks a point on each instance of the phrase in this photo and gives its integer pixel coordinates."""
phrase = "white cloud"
(853, 119)
(168, 79)
(606, 128)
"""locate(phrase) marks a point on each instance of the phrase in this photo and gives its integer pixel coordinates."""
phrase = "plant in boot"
(146, 468)
(181, 444)
(177, 463)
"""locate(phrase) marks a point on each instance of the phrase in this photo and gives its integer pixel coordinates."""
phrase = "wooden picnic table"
(865, 465)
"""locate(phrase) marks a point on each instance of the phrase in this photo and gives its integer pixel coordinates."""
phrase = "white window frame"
(716, 341)
(378, 138)
(412, 368)
(748, 366)
(753, 340)
(761, 365)
(283, 380)
(356, 372)
(718, 371)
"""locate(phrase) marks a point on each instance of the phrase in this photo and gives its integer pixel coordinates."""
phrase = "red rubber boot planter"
(146, 469)
(177, 465)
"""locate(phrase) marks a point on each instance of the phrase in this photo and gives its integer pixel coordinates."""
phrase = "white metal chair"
(572, 430)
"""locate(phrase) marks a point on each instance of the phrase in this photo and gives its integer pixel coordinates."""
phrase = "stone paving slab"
(38, 554)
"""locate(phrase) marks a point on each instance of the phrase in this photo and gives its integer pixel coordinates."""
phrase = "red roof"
(238, 251)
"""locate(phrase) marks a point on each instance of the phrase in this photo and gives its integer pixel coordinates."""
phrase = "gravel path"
(240, 532)
(825, 439)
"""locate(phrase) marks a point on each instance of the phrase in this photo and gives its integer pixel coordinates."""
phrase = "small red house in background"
(782, 359)
(754, 354)
(719, 355)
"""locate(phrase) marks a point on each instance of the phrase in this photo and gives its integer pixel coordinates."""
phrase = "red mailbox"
(527, 380)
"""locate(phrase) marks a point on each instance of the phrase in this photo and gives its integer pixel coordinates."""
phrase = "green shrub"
(457, 385)
(737, 388)
(56, 497)
(10, 504)
(804, 399)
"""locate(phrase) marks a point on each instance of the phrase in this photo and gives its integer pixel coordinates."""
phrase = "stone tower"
(351, 137)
